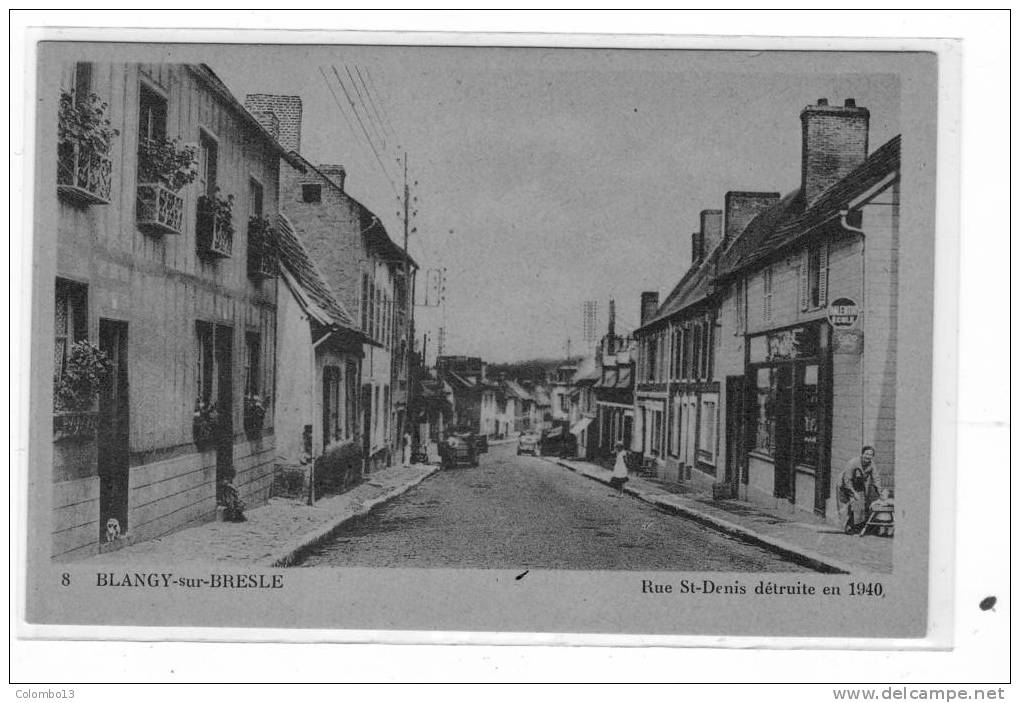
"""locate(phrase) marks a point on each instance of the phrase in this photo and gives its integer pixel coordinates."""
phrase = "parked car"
(557, 441)
(529, 443)
(459, 450)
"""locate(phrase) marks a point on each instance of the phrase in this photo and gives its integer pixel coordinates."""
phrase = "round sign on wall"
(843, 313)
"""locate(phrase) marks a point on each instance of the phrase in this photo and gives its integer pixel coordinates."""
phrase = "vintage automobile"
(529, 443)
(459, 450)
(557, 441)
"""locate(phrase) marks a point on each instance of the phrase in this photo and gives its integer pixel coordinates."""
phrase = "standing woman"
(858, 488)
(619, 468)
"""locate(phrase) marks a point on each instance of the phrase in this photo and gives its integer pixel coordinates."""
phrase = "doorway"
(224, 351)
(734, 431)
(113, 438)
(784, 483)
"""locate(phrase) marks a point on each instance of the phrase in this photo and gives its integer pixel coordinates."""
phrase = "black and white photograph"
(492, 338)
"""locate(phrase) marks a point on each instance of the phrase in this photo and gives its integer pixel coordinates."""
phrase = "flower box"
(206, 425)
(159, 209)
(79, 425)
(262, 259)
(84, 175)
(213, 231)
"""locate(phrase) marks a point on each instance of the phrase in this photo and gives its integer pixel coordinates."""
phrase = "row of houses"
(772, 361)
(223, 307)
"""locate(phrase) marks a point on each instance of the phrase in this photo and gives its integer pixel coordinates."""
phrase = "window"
(706, 439)
(652, 361)
(71, 321)
(738, 307)
(208, 163)
(766, 298)
(674, 432)
(204, 375)
(765, 401)
(254, 198)
(82, 82)
(151, 114)
(330, 404)
(152, 111)
(364, 303)
(564, 403)
(806, 416)
(252, 362)
(814, 274)
(656, 432)
(350, 398)
(696, 351)
(311, 193)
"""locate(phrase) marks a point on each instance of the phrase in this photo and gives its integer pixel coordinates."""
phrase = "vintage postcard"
(604, 339)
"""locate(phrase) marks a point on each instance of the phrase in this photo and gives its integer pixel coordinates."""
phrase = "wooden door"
(113, 435)
(735, 404)
(784, 478)
(224, 351)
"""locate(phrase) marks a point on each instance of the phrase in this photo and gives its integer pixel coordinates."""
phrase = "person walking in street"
(858, 488)
(407, 449)
(619, 468)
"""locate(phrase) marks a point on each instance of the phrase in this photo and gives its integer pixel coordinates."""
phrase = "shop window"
(765, 409)
(71, 321)
(706, 438)
(806, 419)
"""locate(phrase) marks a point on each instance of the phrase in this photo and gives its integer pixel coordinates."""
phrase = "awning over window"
(580, 425)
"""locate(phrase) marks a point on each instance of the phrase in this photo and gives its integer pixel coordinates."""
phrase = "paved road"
(524, 512)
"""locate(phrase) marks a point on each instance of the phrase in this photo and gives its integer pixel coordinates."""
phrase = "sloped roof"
(587, 372)
(315, 295)
(542, 396)
(514, 389)
(787, 221)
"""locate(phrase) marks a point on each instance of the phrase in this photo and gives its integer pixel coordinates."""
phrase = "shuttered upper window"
(814, 275)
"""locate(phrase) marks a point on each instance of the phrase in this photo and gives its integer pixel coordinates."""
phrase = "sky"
(548, 177)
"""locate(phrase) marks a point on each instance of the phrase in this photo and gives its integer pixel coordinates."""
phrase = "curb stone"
(298, 547)
(786, 549)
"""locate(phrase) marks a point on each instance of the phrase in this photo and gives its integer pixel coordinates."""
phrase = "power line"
(385, 113)
(372, 102)
(365, 131)
(364, 107)
(350, 124)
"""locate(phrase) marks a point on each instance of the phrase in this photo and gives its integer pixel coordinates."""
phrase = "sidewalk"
(275, 534)
(804, 538)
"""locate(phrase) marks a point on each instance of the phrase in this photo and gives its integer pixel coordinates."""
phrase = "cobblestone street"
(524, 512)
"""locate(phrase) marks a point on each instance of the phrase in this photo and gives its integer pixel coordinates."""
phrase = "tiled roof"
(294, 258)
(788, 221)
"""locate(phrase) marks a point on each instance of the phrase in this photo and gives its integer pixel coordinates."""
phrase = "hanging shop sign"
(843, 313)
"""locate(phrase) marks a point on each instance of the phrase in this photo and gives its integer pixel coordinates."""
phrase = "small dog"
(112, 529)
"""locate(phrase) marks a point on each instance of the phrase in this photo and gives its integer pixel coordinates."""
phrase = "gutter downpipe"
(864, 305)
(311, 469)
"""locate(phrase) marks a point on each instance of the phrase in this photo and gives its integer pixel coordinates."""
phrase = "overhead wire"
(364, 106)
(364, 130)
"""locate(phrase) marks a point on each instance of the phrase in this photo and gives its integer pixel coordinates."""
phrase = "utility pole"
(408, 310)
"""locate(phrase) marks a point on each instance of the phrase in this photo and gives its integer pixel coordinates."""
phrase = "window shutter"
(765, 295)
(802, 280)
(823, 274)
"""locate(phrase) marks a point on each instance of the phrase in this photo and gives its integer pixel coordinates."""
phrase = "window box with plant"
(164, 167)
(84, 138)
(75, 390)
(214, 226)
(255, 407)
(205, 423)
(262, 260)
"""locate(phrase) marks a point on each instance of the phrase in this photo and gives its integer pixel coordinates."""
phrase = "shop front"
(789, 416)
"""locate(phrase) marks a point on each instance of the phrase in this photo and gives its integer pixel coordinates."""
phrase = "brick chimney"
(335, 173)
(612, 322)
(834, 142)
(711, 230)
(287, 110)
(649, 304)
(269, 123)
(742, 207)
